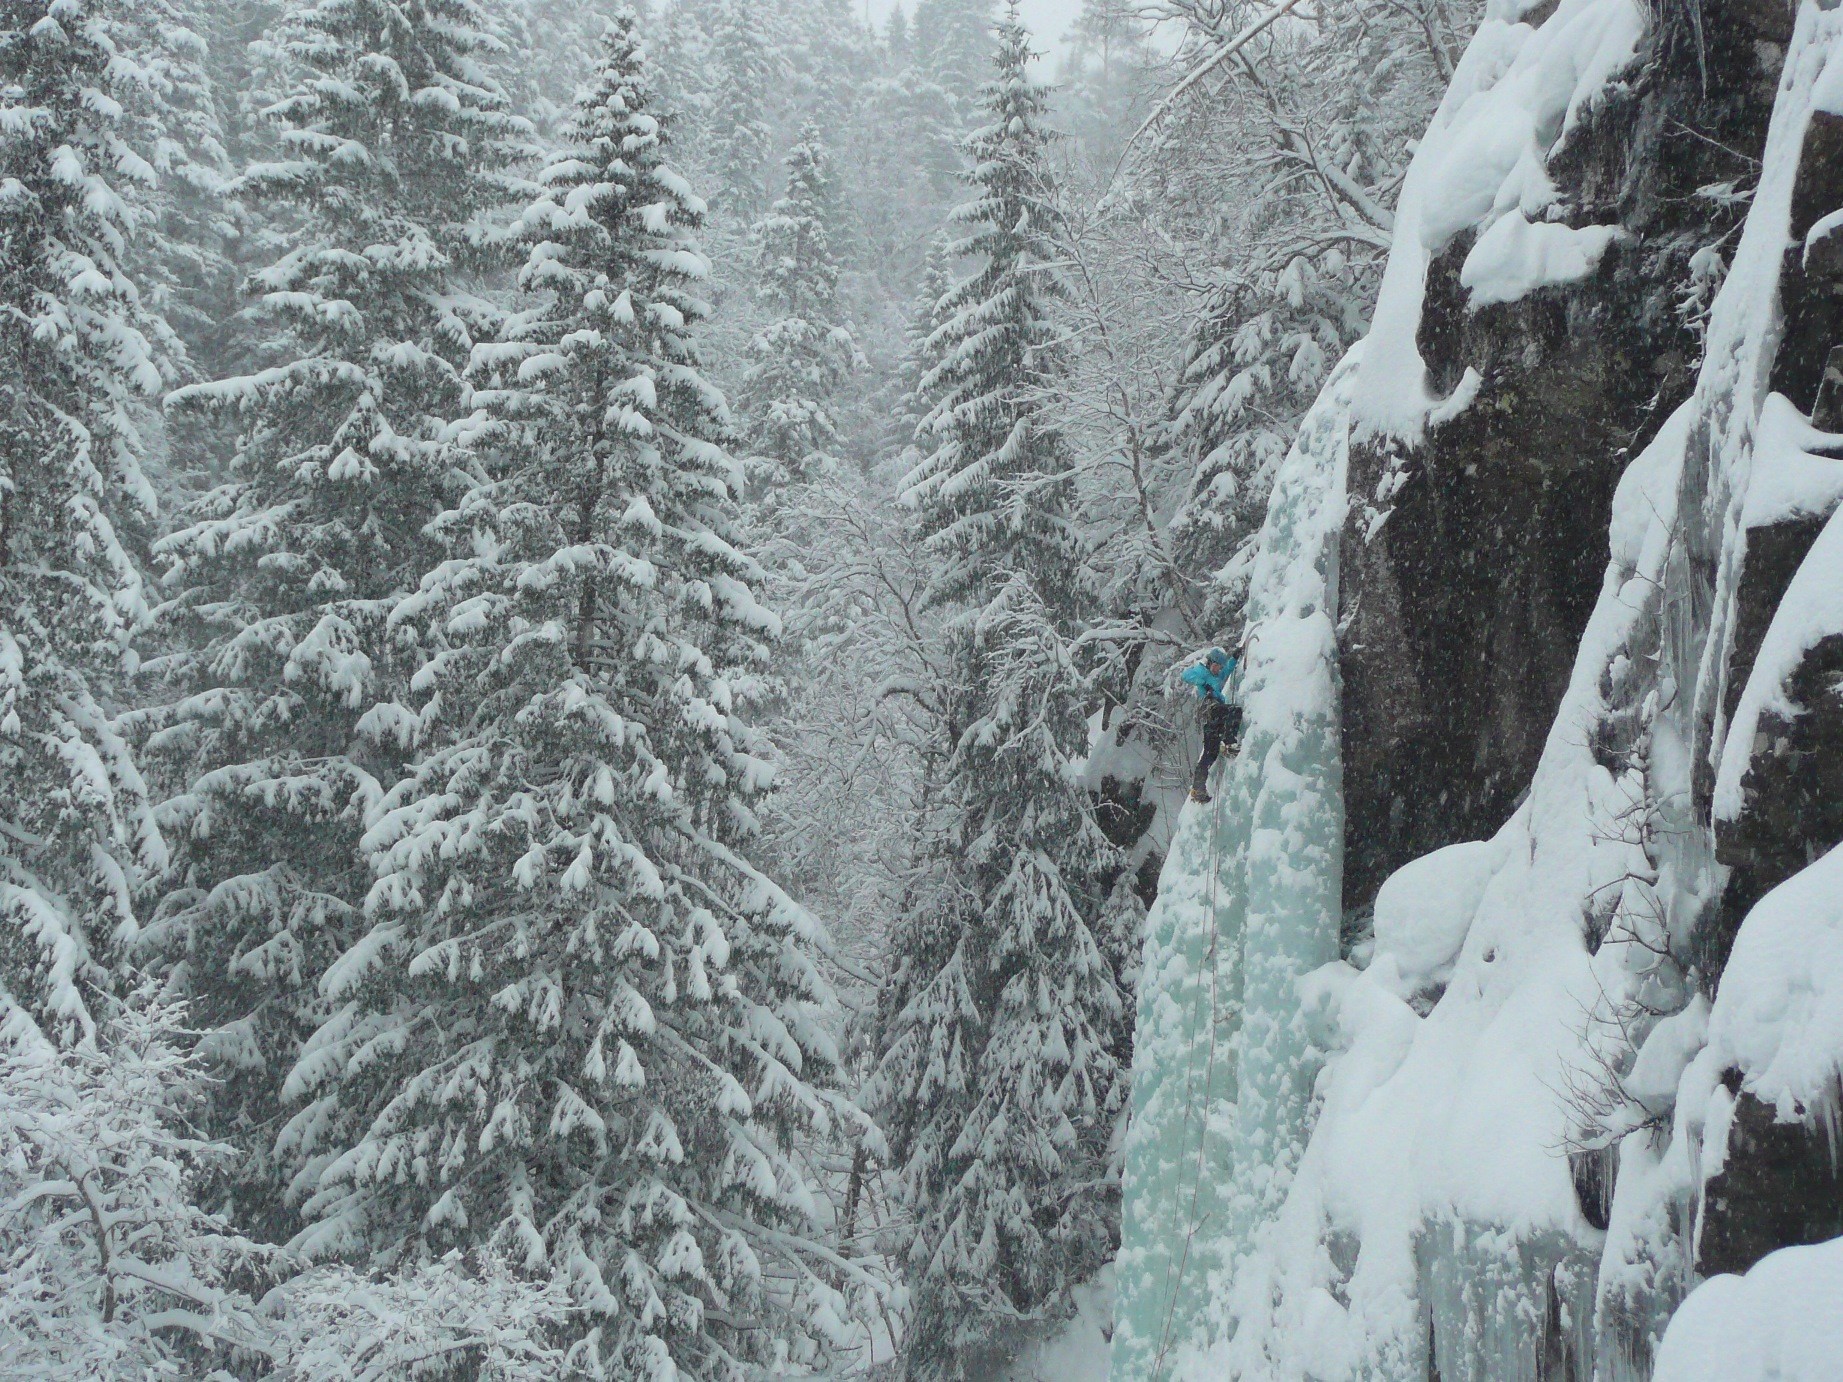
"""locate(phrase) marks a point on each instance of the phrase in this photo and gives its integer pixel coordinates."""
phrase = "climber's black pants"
(1221, 725)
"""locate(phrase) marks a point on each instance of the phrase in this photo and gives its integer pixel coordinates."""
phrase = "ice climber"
(1214, 679)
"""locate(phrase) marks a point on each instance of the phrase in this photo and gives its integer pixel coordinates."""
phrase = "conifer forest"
(921, 690)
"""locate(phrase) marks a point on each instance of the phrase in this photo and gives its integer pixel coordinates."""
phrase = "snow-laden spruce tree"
(683, 76)
(801, 358)
(292, 709)
(898, 38)
(580, 1025)
(1005, 1024)
(830, 53)
(75, 363)
(916, 117)
(739, 142)
(995, 489)
(953, 44)
(183, 258)
(915, 404)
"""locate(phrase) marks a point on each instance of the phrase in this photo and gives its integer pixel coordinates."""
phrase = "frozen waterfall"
(1248, 905)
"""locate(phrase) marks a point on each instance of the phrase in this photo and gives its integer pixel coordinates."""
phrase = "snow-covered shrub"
(108, 1269)
(458, 1317)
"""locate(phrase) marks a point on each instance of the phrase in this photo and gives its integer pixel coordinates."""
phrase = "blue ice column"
(1249, 903)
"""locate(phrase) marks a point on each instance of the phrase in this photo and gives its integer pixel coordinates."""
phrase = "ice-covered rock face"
(1590, 652)
(1561, 238)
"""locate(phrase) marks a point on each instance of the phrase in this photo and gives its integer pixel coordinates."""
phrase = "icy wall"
(1248, 905)
(1580, 1047)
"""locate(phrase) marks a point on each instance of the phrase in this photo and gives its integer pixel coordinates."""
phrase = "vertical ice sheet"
(1247, 906)
(1288, 899)
(1505, 1307)
(1183, 1095)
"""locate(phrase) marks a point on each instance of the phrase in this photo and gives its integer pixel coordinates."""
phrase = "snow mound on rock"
(1778, 1017)
(1424, 911)
(1782, 1322)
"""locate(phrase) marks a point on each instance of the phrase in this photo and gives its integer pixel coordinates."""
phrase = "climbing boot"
(1200, 795)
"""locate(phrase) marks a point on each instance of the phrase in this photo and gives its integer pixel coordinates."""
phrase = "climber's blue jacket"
(1212, 686)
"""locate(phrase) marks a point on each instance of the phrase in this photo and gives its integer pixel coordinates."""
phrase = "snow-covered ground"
(1079, 1350)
